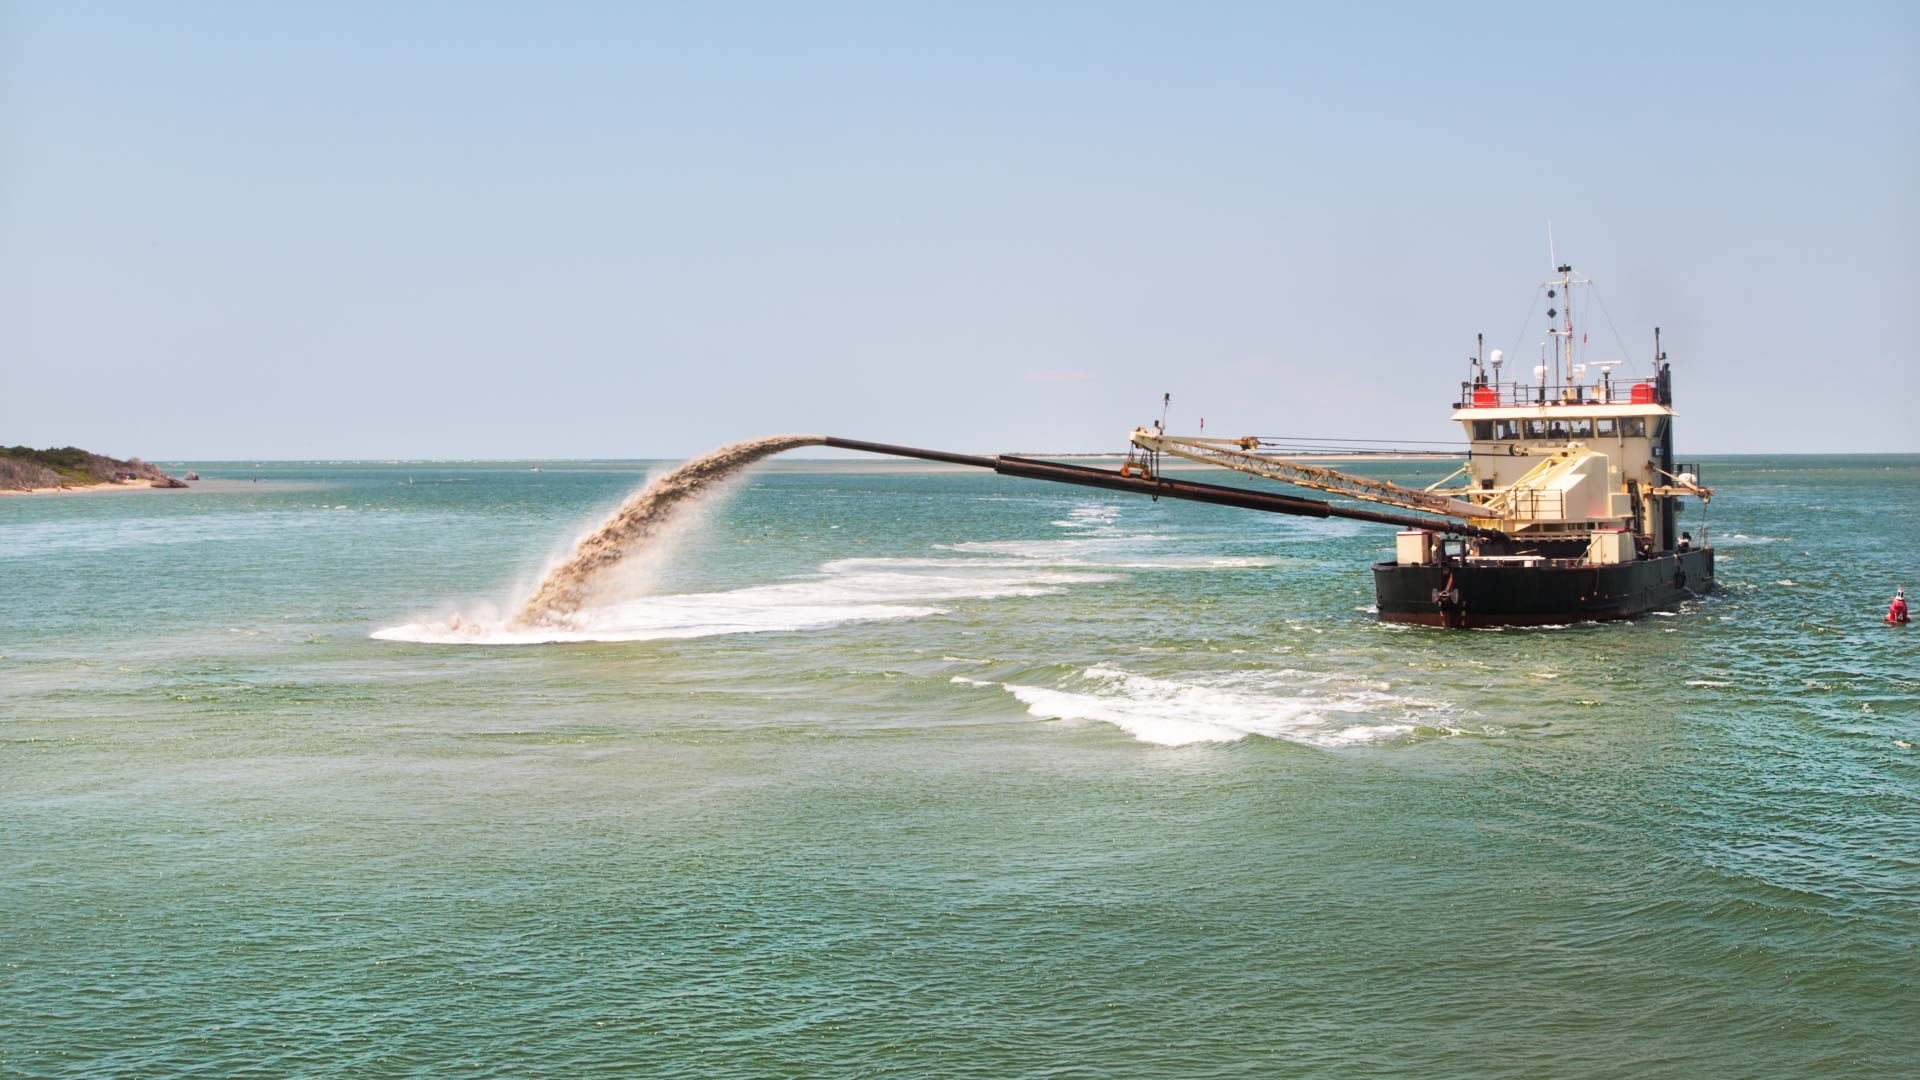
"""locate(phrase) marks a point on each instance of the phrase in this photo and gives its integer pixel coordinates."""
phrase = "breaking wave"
(1297, 706)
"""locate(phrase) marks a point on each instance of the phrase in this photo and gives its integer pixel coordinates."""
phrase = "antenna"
(1551, 259)
(1166, 403)
(1606, 377)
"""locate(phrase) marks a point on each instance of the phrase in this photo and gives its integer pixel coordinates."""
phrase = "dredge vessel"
(1566, 509)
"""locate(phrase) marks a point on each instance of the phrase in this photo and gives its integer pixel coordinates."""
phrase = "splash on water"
(570, 586)
(842, 591)
(838, 592)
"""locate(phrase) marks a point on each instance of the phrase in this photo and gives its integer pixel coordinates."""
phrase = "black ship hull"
(1515, 595)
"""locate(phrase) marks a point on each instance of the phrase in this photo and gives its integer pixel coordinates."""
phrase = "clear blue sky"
(339, 230)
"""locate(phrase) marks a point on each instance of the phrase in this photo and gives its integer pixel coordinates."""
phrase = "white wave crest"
(1302, 707)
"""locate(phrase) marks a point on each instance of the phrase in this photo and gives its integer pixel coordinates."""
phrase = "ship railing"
(1548, 561)
(1515, 394)
(1533, 504)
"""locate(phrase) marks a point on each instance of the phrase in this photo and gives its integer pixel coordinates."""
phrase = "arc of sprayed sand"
(567, 587)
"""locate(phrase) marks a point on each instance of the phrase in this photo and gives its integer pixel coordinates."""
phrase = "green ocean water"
(891, 771)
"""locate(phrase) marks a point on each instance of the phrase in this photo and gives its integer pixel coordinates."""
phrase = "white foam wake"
(1303, 707)
(1076, 546)
(1091, 516)
(851, 590)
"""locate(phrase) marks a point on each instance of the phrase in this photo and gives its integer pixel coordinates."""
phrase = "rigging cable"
(1625, 353)
(1513, 354)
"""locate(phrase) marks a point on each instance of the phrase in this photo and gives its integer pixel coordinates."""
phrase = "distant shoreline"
(55, 470)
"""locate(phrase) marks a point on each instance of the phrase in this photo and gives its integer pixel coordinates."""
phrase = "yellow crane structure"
(1242, 455)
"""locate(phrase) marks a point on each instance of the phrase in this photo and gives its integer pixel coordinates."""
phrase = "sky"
(625, 231)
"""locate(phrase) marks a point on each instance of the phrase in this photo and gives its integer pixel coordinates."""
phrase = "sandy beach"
(89, 489)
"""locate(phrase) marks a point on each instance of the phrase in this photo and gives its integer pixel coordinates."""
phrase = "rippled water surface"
(907, 772)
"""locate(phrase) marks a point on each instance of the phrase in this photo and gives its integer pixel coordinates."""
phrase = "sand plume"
(568, 586)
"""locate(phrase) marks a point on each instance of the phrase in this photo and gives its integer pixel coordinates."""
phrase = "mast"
(1561, 289)
(1567, 279)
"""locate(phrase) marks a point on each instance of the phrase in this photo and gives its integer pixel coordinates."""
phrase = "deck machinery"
(1564, 511)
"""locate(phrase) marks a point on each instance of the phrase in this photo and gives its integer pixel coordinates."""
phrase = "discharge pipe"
(1160, 487)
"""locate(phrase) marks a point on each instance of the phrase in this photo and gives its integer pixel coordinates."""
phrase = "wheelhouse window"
(1604, 427)
(1580, 429)
(1537, 429)
(1482, 430)
(1633, 427)
(1506, 429)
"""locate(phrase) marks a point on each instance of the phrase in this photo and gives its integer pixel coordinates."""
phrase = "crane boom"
(1239, 454)
(1160, 487)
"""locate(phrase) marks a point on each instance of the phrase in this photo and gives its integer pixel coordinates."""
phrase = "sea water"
(893, 770)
